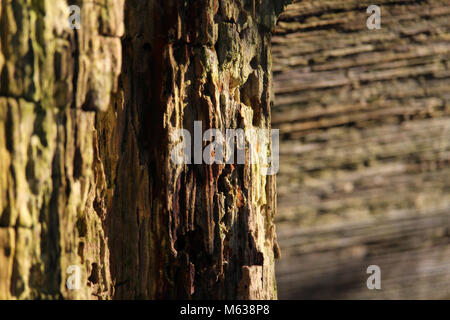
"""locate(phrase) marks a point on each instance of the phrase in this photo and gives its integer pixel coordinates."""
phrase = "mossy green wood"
(85, 177)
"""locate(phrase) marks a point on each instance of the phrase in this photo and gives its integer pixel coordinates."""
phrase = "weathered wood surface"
(365, 156)
(85, 172)
(52, 80)
(192, 231)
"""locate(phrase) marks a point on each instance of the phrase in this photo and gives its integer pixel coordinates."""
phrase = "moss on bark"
(84, 184)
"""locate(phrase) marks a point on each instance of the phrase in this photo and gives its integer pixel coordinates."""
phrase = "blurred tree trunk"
(365, 168)
(86, 180)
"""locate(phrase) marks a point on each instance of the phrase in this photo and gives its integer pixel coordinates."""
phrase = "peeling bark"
(85, 171)
(204, 231)
(50, 77)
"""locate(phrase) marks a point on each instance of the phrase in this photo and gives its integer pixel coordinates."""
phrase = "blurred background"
(365, 154)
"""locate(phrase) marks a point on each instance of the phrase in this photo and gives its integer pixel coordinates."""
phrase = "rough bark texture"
(84, 184)
(365, 157)
(203, 231)
(52, 80)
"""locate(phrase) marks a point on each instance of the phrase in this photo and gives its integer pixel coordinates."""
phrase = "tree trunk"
(204, 231)
(53, 79)
(85, 173)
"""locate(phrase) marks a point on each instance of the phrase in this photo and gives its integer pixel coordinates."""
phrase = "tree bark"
(85, 171)
(53, 79)
(204, 231)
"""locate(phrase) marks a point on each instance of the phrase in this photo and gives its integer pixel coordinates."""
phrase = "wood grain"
(365, 156)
